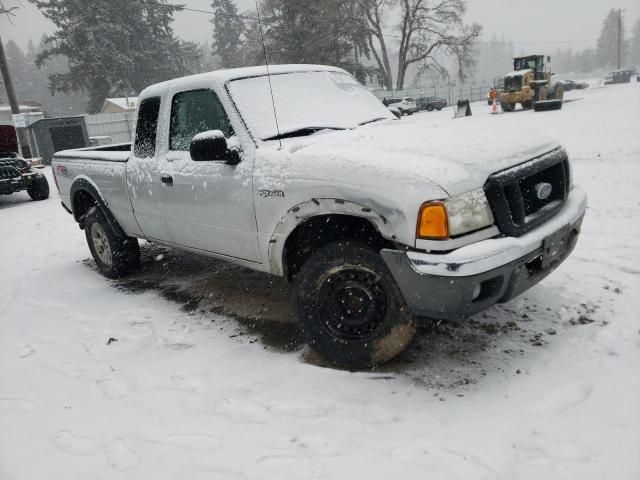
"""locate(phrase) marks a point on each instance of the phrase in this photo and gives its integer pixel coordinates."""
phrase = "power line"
(248, 17)
(209, 12)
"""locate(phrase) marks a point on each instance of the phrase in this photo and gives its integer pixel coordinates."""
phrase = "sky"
(542, 25)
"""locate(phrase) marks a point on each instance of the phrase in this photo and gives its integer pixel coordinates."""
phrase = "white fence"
(117, 126)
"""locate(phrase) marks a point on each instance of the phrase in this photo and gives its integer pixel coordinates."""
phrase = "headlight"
(468, 212)
(455, 216)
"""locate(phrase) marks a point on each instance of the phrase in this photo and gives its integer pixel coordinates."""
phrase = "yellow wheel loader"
(531, 86)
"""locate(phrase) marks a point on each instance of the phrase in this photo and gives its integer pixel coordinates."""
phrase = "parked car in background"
(405, 105)
(569, 85)
(431, 103)
(619, 76)
(17, 174)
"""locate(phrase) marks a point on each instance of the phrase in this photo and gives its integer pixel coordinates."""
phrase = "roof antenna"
(266, 62)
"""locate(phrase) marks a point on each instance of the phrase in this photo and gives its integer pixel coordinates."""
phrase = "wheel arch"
(84, 195)
(314, 223)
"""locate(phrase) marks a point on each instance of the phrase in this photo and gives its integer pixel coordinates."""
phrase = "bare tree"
(426, 30)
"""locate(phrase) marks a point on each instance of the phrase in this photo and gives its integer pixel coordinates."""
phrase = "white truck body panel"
(383, 172)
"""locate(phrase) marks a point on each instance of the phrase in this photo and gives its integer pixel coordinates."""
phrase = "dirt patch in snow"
(443, 355)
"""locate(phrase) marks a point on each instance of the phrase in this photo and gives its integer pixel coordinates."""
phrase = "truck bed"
(109, 153)
(105, 169)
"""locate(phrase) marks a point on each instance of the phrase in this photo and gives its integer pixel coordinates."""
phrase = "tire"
(379, 330)
(430, 108)
(402, 112)
(114, 256)
(527, 105)
(439, 108)
(39, 189)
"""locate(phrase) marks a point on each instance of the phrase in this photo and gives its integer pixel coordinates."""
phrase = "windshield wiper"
(377, 119)
(301, 132)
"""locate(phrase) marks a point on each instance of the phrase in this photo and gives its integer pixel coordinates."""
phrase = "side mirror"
(211, 146)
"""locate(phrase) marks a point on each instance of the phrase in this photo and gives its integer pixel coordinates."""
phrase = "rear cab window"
(147, 128)
(194, 112)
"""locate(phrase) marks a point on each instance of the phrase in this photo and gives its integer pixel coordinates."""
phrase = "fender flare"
(83, 184)
(315, 207)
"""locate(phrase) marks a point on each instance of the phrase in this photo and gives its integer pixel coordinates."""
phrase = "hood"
(457, 156)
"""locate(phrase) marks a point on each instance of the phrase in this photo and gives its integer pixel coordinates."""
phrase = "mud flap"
(463, 109)
(546, 105)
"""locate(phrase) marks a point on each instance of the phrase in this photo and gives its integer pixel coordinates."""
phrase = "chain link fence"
(472, 93)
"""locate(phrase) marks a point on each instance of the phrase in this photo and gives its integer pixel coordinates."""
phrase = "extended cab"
(377, 222)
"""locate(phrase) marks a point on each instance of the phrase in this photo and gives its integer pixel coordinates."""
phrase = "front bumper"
(475, 277)
(16, 184)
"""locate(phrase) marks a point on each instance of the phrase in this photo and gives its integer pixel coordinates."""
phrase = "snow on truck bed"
(98, 381)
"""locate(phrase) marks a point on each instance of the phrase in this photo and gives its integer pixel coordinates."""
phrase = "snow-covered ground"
(163, 376)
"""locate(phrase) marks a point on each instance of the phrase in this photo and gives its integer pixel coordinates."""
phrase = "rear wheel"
(430, 108)
(114, 256)
(39, 189)
(350, 308)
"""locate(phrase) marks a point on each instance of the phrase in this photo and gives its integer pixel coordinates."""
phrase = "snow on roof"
(125, 103)
(23, 108)
(223, 76)
(518, 73)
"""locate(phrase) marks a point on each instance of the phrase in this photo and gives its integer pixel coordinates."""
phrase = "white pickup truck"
(306, 175)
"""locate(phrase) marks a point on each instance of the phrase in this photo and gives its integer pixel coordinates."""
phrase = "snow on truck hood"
(458, 157)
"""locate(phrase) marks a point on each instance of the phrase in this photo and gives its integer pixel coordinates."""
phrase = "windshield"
(304, 100)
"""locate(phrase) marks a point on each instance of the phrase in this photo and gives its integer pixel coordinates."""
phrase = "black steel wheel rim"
(353, 304)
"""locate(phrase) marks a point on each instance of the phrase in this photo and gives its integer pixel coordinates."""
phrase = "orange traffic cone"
(494, 106)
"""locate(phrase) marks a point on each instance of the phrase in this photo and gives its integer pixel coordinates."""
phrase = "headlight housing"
(455, 216)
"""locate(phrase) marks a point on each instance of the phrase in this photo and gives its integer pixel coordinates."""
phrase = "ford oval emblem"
(543, 190)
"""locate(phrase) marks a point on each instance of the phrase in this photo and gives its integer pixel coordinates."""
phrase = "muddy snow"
(194, 369)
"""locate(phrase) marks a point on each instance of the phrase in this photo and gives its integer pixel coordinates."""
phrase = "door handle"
(167, 180)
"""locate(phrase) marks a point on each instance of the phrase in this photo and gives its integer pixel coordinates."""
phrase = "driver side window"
(195, 112)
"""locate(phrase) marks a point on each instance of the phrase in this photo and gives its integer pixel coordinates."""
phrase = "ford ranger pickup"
(303, 173)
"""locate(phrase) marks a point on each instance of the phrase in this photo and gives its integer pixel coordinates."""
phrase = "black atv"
(18, 174)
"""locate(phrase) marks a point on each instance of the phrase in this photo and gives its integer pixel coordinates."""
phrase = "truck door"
(142, 171)
(207, 205)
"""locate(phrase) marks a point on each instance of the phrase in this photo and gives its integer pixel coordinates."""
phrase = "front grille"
(7, 172)
(514, 193)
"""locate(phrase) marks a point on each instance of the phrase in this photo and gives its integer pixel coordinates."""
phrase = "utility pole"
(619, 38)
(23, 143)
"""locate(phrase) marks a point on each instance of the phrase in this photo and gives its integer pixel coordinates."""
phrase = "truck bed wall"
(106, 170)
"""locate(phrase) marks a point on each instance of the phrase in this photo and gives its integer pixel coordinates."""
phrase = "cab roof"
(227, 75)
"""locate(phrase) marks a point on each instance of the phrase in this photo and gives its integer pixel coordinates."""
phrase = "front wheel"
(114, 256)
(430, 108)
(39, 189)
(350, 307)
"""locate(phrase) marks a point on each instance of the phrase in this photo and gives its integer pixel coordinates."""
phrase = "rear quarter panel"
(108, 177)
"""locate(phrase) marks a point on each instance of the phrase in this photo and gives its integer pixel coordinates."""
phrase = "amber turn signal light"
(432, 221)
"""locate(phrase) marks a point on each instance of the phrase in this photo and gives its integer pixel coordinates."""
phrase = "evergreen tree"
(31, 82)
(113, 46)
(300, 31)
(228, 32)
(609, 41)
